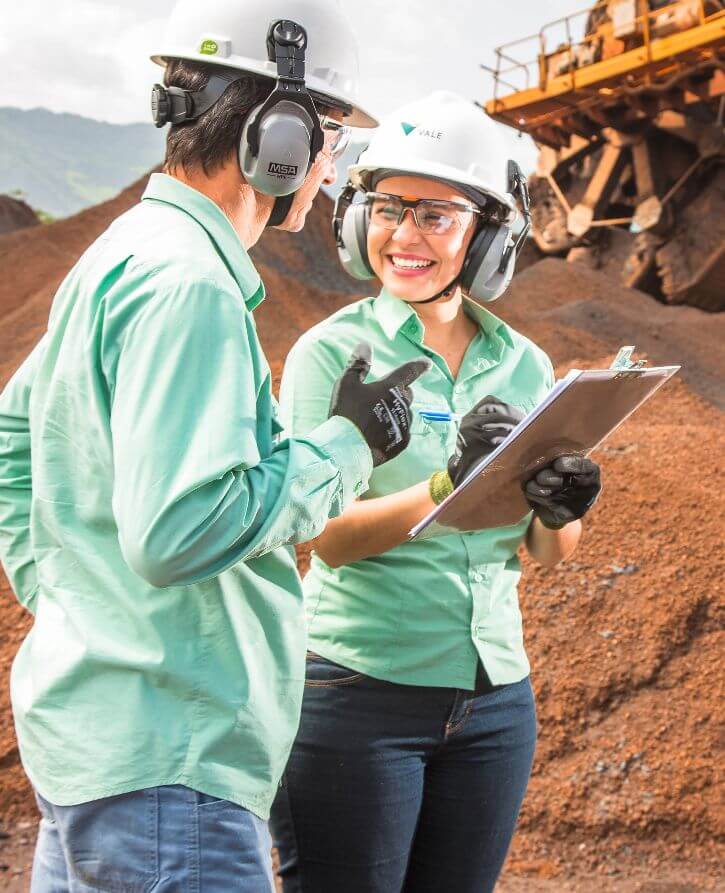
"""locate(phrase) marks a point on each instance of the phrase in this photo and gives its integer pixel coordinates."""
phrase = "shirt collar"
(163, 188)
(493, 327)
(394, 314)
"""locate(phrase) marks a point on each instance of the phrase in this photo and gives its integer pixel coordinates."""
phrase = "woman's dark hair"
(210, 140)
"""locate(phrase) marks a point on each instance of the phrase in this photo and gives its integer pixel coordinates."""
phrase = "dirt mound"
(303, 279)
(15, 214)
(576, 313)
(623, 639)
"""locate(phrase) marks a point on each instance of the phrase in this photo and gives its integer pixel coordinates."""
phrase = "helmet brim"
(358, 116)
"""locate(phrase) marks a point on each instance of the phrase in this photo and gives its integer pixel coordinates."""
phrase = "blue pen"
(439, 415)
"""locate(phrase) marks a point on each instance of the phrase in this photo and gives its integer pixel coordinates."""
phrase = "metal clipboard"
(580, 412)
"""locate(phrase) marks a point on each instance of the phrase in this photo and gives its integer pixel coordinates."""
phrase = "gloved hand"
(481, 430)
(380, 409)
(564, 490)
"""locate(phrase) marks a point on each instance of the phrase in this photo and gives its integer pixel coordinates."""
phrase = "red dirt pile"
(623, 639)
(15, 214)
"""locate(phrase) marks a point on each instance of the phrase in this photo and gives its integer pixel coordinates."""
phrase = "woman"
(418, 723)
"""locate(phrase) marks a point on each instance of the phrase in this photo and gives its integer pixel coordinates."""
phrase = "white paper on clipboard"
(577, 414)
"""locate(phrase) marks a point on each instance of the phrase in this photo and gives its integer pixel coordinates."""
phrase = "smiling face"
(412, 265)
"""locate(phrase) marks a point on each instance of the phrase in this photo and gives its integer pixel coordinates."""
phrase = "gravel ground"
(16, 855)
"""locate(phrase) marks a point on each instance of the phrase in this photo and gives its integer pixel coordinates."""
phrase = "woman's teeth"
(407, 263)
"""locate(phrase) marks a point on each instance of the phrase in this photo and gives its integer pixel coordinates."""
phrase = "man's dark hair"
(210, 140)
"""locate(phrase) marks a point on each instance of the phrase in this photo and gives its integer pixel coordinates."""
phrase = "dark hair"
(210, 140)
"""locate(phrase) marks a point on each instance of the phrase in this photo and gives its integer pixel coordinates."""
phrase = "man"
(158, 693)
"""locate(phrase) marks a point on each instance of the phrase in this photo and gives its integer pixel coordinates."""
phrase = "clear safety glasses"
(337, 135)
(432, 217)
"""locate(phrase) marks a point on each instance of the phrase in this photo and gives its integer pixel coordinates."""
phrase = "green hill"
(63, 163)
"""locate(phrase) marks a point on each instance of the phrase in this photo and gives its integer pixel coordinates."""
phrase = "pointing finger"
(406, 374)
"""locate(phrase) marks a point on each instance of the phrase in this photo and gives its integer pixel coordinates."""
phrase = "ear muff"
(284, 139)
(350, 228)
(353, 252)
(282, 136)
(489, 263)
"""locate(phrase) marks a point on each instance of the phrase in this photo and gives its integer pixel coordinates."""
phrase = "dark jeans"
(401, 788)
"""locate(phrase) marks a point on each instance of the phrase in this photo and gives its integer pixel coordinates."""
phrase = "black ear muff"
(350, 228)
(481, 277)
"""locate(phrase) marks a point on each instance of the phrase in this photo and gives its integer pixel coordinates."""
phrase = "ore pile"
(15, 214)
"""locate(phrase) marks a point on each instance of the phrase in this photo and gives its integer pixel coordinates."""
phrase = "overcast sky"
(90, 57)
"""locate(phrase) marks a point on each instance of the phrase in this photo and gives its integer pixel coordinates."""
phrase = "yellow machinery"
(626, 102)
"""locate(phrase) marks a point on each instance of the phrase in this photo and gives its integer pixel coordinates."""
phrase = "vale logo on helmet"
(429, 132)
(282, 171)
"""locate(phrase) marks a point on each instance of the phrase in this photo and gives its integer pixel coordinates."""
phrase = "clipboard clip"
(624, 363)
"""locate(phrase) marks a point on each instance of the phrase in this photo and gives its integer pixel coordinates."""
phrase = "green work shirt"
(148, 534)
(424, 612)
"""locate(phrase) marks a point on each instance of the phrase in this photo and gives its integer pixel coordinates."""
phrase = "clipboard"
(575, 417)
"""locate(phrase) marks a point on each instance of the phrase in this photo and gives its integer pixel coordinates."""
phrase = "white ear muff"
(350, 229)
(481, 276)
(283, 158)
(353, 252)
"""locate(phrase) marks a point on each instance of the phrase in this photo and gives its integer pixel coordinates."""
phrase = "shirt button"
(477, 577)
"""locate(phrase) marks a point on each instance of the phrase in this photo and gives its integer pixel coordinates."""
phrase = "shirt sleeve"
(16, 489)
(194, 492)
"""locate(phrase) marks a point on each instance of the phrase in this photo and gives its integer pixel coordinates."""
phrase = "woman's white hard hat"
(233, 34)
(443, 137)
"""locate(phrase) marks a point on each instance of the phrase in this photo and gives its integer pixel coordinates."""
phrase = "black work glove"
(481, 430)
(380, 409)
(564, 490)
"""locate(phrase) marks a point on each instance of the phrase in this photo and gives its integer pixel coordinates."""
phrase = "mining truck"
(625, 101)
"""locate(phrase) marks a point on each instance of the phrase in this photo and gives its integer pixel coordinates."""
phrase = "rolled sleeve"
(343, 442)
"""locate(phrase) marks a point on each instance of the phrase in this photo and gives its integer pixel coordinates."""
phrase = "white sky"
(90, 57)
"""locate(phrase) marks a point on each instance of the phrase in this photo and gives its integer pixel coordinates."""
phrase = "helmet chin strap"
(445, 292)
(280, 209)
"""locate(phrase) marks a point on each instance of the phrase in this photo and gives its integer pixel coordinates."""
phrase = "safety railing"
(585, 37)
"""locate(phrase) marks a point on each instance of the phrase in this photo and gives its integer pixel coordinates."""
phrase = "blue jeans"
(157, 840)
(401, 788)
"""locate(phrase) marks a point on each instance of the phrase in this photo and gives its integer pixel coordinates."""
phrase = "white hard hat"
(444, 137)
(233, 34)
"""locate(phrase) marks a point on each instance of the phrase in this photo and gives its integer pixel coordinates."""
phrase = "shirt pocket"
(436, 438)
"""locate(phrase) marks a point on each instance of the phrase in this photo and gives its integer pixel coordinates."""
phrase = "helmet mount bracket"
(519, 189)
(172, 105)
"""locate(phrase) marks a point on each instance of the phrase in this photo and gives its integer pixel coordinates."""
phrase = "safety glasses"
(337, 135)
(432, 217)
